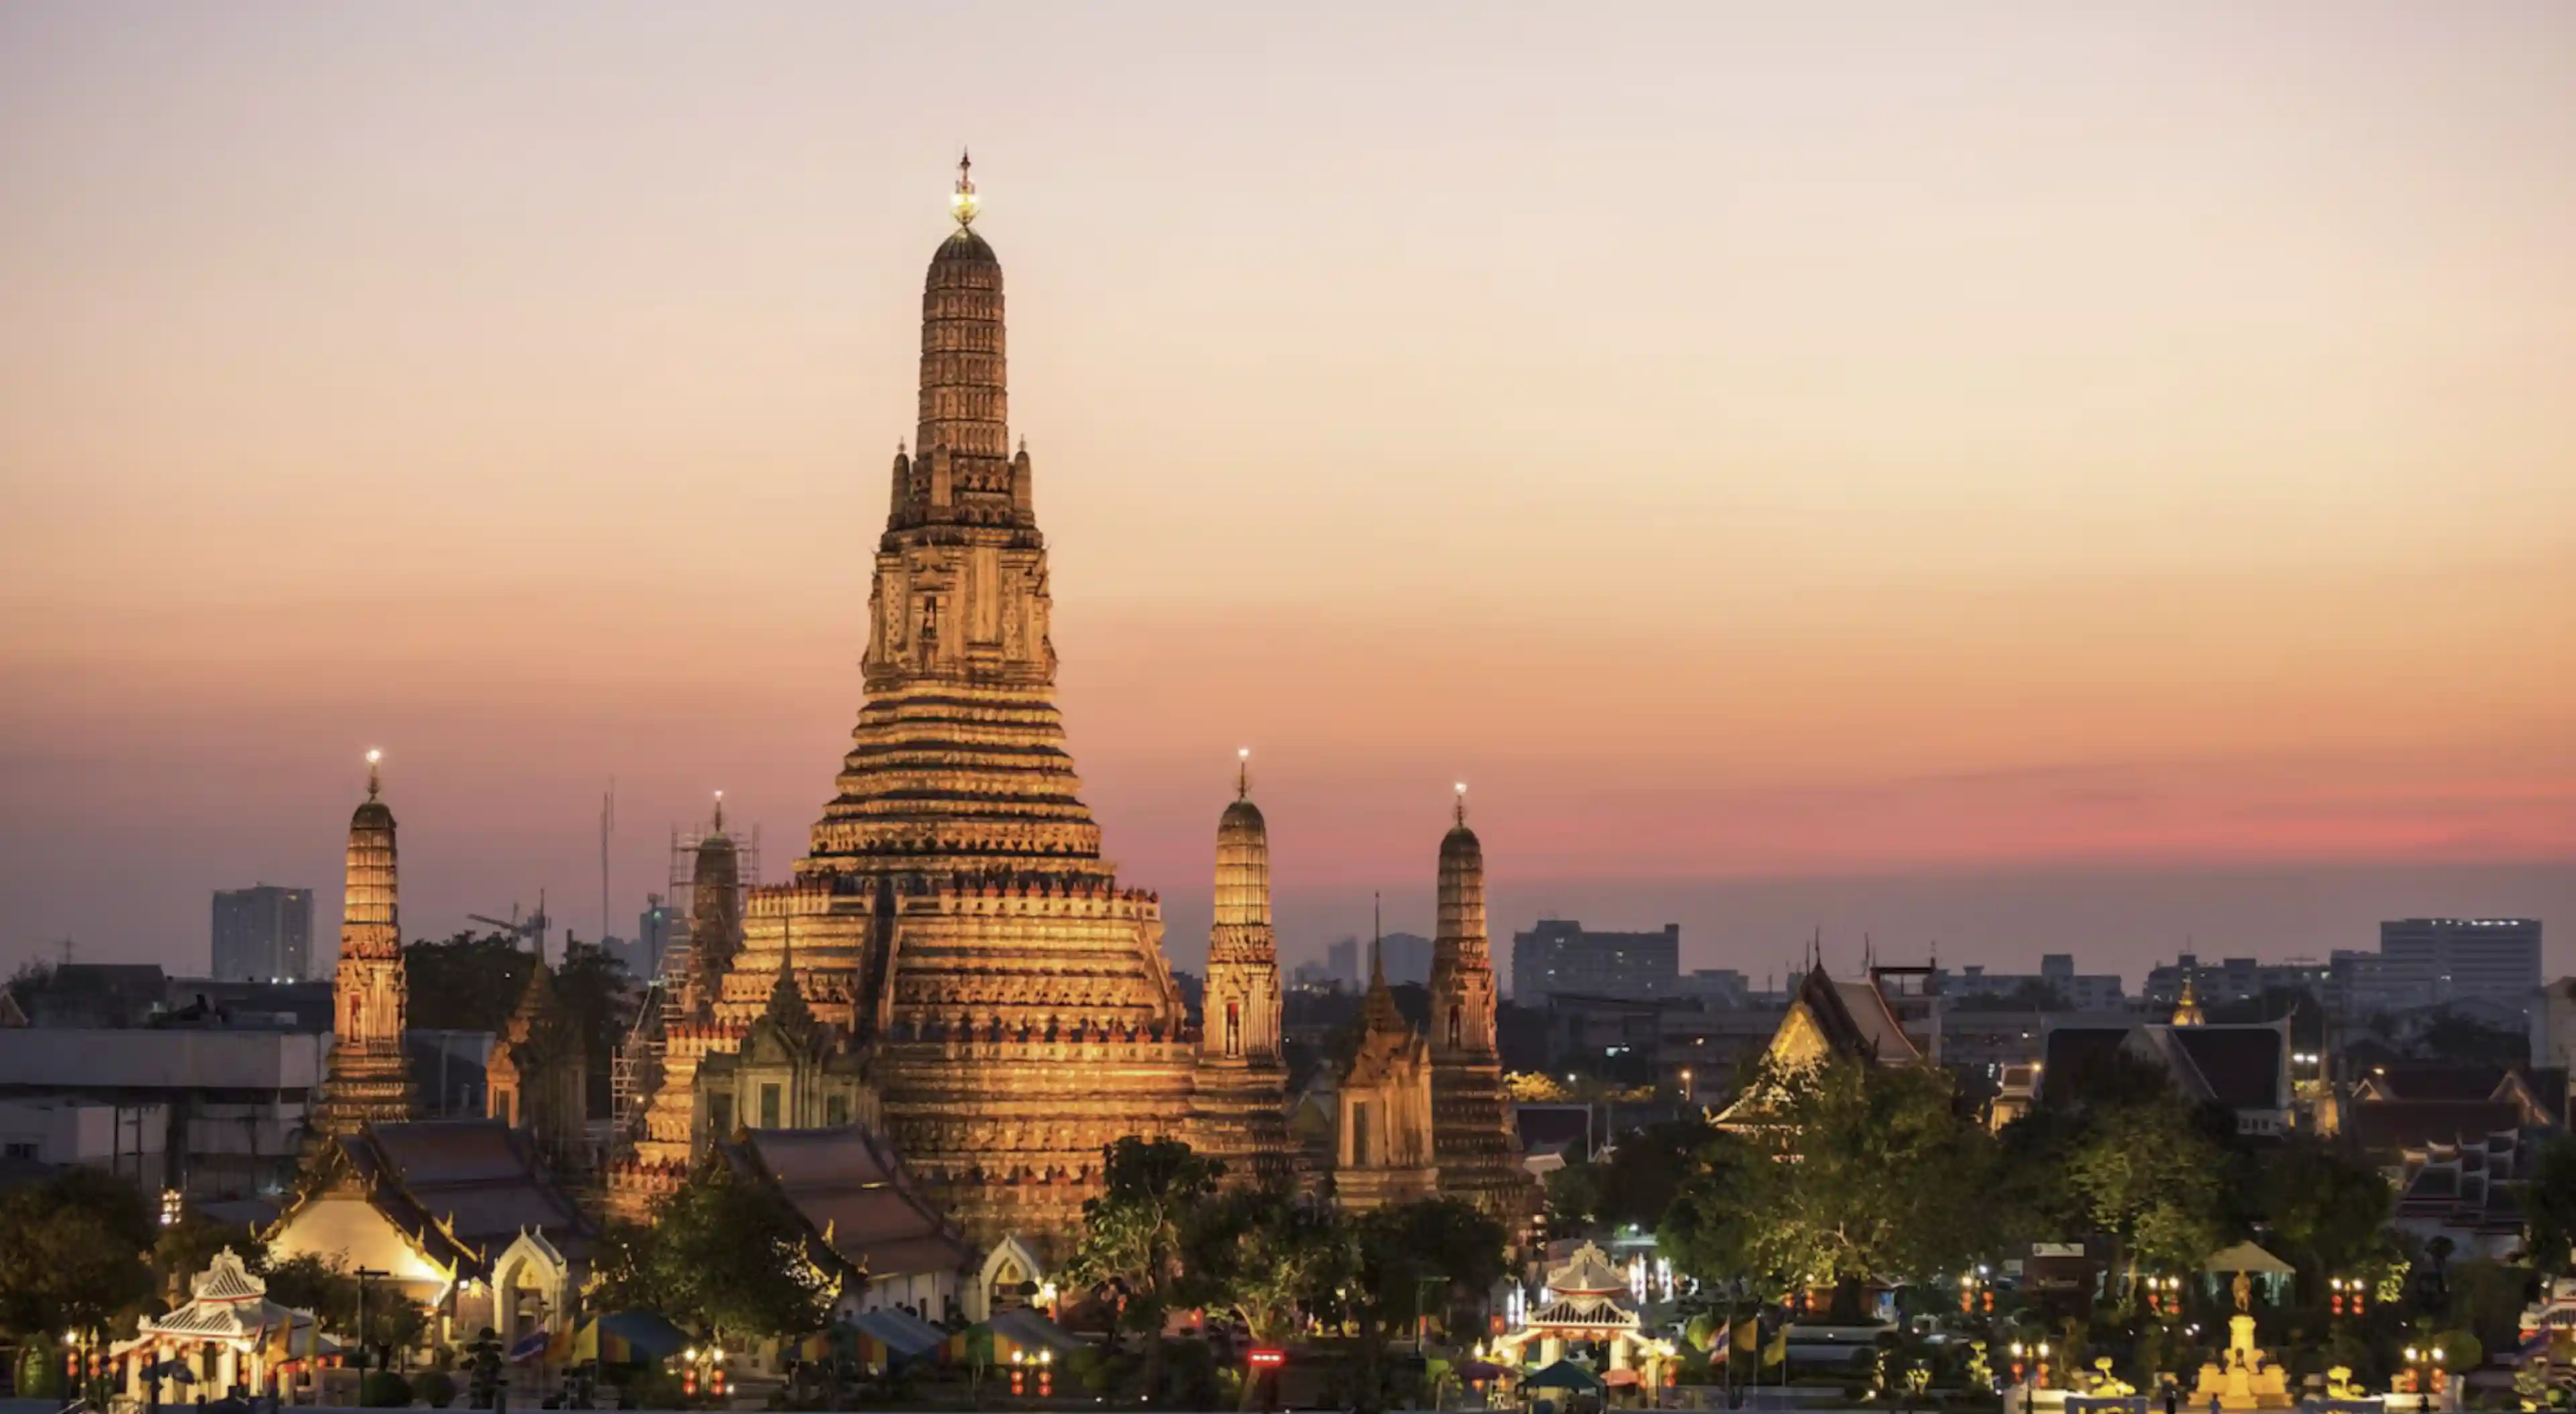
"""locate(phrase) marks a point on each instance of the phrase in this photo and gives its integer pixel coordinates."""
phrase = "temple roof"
(464, 1189)
(852, 1188)
(963, 245)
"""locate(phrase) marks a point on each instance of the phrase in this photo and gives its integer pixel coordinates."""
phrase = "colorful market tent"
(899, 1333)
(1564, 1374)
(1025, 1329)
(628, 1338)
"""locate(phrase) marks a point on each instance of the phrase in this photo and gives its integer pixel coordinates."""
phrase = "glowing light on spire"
(375, 776)
(1462, 803)
(1243, 773)
(961, 202)
(720, 812)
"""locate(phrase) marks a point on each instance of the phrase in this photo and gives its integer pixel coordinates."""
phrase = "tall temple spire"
(1473, 1138)
(368, 1080)
(1238, 1112)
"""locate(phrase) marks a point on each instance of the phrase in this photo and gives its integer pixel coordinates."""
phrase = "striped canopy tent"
(886, 1336)
(627, 1338)
(1021, 1331)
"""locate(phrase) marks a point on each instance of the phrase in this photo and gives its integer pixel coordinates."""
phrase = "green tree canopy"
(2549, 1203)
(2151, 1180)
(725, 1253)
(1857, 1172)
(1132, 1233)
(74, 1253)
(1268, 1256)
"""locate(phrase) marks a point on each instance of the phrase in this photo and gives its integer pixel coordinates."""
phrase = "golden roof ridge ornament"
(961, 202)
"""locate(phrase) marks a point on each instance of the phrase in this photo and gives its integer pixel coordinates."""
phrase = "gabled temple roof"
(852, 1188)
(1854, 1017)
(463, 1189)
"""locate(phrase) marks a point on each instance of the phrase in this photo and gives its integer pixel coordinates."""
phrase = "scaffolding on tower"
(638, 1062)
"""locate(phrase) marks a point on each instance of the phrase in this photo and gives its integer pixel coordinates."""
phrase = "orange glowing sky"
(2067, 477)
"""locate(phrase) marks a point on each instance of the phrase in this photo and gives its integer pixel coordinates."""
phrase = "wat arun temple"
(954, 964)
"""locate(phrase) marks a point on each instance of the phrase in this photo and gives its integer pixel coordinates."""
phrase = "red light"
(1267, 1358)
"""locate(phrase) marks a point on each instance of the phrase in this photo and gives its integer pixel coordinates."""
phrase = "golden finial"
(720, 812)
(1243, 773)
(2187, 1010)
(961, 203)
(1461, 808)
(375, 774)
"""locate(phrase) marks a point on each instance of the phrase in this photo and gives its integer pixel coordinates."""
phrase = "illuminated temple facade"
(954, 962)
(368, 1080)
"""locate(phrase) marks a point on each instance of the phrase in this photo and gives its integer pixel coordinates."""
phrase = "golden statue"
(2244, 1289)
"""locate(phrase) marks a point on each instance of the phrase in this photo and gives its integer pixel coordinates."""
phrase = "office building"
(1558, 957)
(2460, 959)
(263, 933)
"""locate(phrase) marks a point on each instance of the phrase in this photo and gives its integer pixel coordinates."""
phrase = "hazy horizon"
(2031, 479)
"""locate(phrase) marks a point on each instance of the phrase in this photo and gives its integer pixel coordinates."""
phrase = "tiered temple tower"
(954, 915)
(369, 1080)
(687, 1032)
(1242, 1085)
(1477, 1147)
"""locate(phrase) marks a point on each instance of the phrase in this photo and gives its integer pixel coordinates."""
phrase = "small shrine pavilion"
(228, 1335)
(1582, 1308)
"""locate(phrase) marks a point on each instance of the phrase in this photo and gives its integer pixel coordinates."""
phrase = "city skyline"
(2018, 514)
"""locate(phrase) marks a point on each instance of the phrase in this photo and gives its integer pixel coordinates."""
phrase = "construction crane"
(532, 932)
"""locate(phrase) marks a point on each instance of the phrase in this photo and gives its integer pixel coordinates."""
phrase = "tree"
(327, 1288)
(468, 982)
(2549, 1203)
(188, 1247)
(73, 1253)
(1393, 1259)
(728, 1253)
(1265, 1255)
(1634, 1184)
(2149, 1179)
(2326, 1212)
(1856, 1172)
(1132, 1232)
(595, 990)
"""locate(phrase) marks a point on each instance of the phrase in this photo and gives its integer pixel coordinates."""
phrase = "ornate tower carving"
(1385, 1146)
(954, 913)
(1243, 1087)
(369, 1080)
(1479, 1152)
(538, 1076)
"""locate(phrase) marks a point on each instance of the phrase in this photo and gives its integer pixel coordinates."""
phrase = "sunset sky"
(2029, 477)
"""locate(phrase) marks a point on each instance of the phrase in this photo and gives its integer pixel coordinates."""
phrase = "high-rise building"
(2461, 959)
(262, 934)
(1560, 957)
(1407, 957)
(1342, 964)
